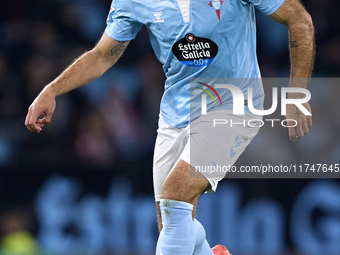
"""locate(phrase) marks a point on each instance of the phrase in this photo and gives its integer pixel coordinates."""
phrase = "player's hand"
(304, 122)
(41, 110)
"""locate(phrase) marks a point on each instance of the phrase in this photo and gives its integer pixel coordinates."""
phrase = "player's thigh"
(183, 184)
(169, 145)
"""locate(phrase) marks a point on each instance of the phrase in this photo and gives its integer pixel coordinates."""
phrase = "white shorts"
(212, 139)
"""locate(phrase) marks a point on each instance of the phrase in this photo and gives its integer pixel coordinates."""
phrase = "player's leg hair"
(159, 217)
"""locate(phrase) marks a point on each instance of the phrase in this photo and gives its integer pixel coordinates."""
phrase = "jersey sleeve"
(122, 24)
(267, 7)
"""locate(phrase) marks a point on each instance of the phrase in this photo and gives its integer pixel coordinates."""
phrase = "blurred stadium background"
(73, 188)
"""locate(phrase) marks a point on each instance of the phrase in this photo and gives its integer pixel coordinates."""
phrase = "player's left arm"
(302, 54)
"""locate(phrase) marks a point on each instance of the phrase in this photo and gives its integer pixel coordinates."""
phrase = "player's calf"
(180, 192)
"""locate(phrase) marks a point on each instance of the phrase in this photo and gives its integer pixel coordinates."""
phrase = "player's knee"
(171, 193)
(180, 186)
(186, 192)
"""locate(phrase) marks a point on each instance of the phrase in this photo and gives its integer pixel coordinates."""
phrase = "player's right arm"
(88, 67)
(302, 53)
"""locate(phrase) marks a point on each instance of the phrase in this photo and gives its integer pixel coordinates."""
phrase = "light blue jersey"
(196, 39)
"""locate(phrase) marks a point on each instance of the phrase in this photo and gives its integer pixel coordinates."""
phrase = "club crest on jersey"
(111, 10)
(158, 17)
(217, 5)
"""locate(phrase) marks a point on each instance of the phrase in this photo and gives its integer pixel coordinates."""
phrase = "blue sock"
(178, 234)
(201, 247)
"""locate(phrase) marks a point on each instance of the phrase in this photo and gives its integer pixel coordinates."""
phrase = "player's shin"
(178, 234)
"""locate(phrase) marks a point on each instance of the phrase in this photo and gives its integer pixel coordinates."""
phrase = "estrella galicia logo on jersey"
(195, 51)
(217, 5)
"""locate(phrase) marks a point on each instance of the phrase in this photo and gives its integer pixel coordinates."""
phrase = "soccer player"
(192, 39)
